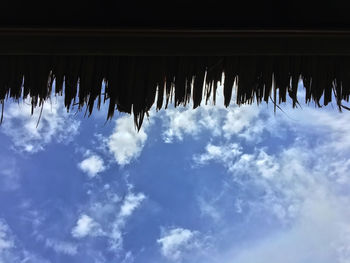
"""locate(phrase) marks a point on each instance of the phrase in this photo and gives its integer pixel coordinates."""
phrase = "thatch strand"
(133, 84)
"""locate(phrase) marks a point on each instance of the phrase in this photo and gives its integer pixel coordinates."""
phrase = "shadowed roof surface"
(177, 50)
(269, 14)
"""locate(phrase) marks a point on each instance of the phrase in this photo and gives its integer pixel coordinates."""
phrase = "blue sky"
(214, 184)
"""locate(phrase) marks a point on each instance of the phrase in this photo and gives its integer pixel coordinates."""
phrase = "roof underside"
(134, 82)
(145, 52)
(248, 14)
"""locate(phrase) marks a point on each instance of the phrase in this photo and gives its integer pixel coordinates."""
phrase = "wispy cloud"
(320, 234)
(130, 203)
(55, 125)
(208, 208)
(128, 258)
(11, 250)
(298, 188)
(106, 217)
(6, 240)
(226, 153)
(9, 174)
(62, 246)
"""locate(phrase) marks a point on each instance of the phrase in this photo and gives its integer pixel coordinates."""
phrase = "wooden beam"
(153, 42)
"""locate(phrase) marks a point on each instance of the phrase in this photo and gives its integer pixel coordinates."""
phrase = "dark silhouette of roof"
(247, 14)
(148, 51)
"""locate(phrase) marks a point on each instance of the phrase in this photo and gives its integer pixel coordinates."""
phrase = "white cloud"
(330, 124)
(216, 119)
(285, 178)
(180, 123)
(107, 215)
(219, 153)
(126, 143)
(55, 125)
(320, 234)
(191, 122)
(177, 241)
(92, 165)
(112, 214)
(86, 226)
(259, 163)
(239, 118)
(266, 164)
(62, 247)
(130, 203)
(296, 189)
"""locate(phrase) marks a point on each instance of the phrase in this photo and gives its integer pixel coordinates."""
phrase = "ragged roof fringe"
(133, 83)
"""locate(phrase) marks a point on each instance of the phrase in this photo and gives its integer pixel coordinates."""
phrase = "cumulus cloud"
(126, 143)
(92, 165)
(259, 163)
(238, 119)
(55, 125)
(180, 123)
(86, 226)
(215, 119)
(131, 202)
(175, 242)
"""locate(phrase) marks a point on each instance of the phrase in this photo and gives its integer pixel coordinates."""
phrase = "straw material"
(132, 83)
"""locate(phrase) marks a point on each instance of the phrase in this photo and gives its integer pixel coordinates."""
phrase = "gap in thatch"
(133, 84)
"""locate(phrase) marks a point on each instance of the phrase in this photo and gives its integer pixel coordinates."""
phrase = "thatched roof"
(141, 67)
(134, 82)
